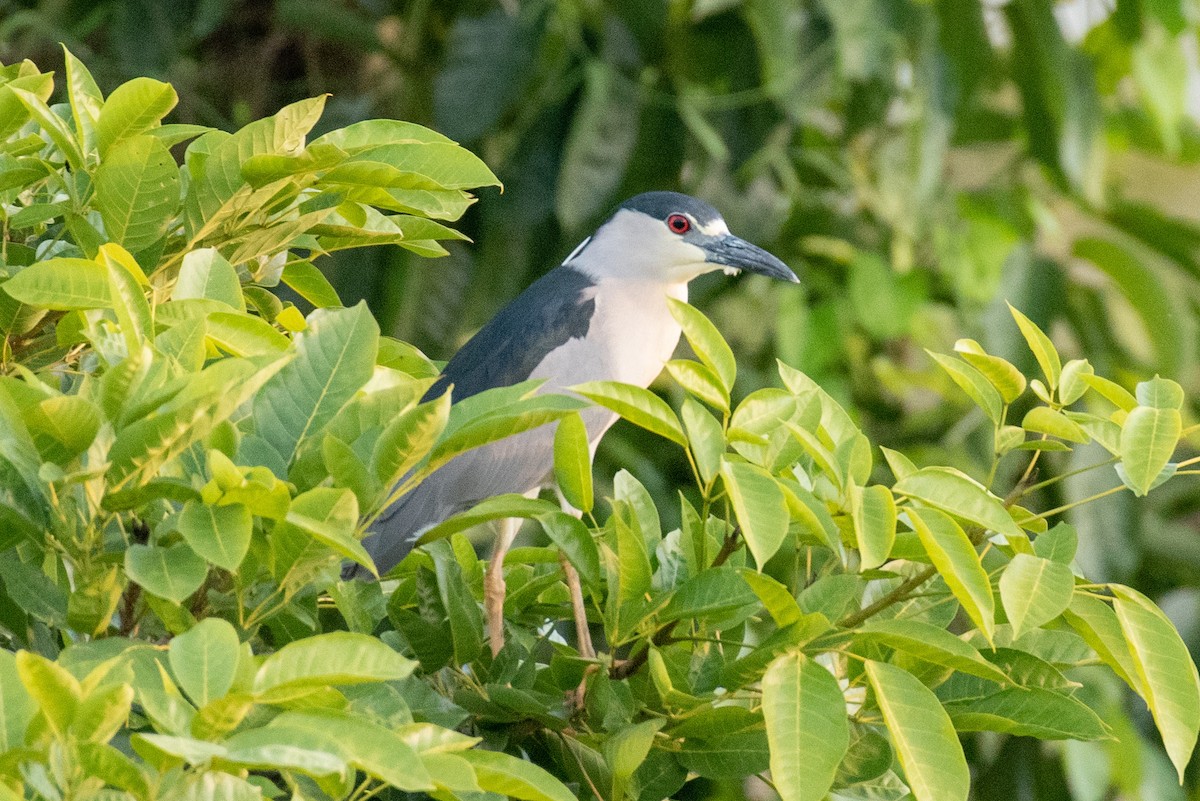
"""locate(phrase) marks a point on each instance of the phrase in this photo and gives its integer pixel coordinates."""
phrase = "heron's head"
(670, 237)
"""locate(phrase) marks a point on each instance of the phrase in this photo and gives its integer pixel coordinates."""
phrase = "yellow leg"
(493, 584)
(583, 635)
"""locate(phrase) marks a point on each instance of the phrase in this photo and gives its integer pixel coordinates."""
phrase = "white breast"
(631, 337)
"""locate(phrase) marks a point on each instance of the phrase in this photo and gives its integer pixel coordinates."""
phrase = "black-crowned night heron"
(600, 316)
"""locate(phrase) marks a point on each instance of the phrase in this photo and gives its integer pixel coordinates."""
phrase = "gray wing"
(554, 309)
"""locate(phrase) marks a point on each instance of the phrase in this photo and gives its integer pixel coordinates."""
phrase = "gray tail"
(395, 533)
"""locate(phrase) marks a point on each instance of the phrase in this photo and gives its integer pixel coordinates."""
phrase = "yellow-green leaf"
(1043, 349)
(956, 560)
(1165, 673)
(807, 729)
(573, 462)
(874, 515)
(924, 737)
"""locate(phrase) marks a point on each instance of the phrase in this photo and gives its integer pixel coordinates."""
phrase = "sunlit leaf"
(874, 515)
(204, 659)
(639, 406)
(760, 507)
(923, 734)
(957, 562)
(1165, 672)
(807, 727)
(1043, 349)
(573, 462)
(1034, 591)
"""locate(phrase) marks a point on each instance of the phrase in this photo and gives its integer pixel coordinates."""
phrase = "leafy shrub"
(187, 459)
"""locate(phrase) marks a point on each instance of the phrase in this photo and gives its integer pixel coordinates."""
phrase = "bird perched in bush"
(602, 315)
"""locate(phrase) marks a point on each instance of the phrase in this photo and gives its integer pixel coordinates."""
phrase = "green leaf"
(760, 507)
(335, 356)
(334, 658)
(925, 740)
(497, 507)
(330, 516)
(523, 415)
(949, 490)
(204, 659)
(133, 108)
(1003, 375)
(1114, 393)
(137, 192)
(311, 284)
(776, 598)
(1044, 420)
(1097, 623)
(1160, 393)
(56, 692)
(807, 728)
(573, 462)
(874, 515)
(205, 273)
(958, 564)
(54, 126)
(102, 712)
(106, 763)
(173, 573)
(210, 397)
(722, 755)
(706, 341)
(166, 749)
(409, 438)
(710, 593)
(17, 706)
(241, 334)
(933, 644)
(286, 748)
(575, 541)
(1058, 544)
(1029, 712)
(1073, 383)
(500, 773)
(130, 305)
(705, 437)
(975, 384)
(626, 751)
(34, 592)
(220, 534)
(699, 380)
(63, 427)
(62, 285)
(366, 745)
(85, 99)
(1034, 591)
(1043, 349)
(639, 406)
(1165, 673)
(1148, 439)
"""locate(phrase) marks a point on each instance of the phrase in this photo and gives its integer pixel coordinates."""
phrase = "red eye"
(679, 224)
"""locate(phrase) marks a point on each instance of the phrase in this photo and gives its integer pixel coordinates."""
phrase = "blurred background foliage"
(920, 162)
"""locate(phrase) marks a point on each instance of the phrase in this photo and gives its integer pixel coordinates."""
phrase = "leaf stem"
(1060, 477)
(1067, 506)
